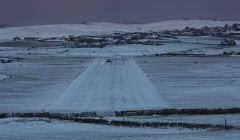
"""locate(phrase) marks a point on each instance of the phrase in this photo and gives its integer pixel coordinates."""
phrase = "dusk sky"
(29, 12)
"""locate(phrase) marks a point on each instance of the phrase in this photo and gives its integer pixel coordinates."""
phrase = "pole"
(6, 69)
(225, 123)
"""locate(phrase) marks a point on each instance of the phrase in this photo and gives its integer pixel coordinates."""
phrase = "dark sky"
(28, 12)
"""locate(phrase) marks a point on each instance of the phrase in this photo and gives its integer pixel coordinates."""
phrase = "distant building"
(187, 33)
(228, 42)
(31, 38)
(236, 27)
(6, 60)
(235, 35)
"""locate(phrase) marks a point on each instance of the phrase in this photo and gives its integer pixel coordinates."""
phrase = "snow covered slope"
(60, 30)
(181, 24)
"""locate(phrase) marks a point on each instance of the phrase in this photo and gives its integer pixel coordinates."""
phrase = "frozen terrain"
(36, 82)
(92, 84)
(195, 82)
(28, 129)
(186, 72)
(12, 129)
(119, 85)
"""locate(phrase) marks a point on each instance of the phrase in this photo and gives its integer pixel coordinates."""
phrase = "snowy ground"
(55, 79)
(195, 82)
(123, 50)
(187, 45)
(119, 85)
(28, 129)
(37, 81)
(64, 79)
(82, 84)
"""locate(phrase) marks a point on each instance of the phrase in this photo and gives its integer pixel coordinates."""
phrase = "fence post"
(225, 123)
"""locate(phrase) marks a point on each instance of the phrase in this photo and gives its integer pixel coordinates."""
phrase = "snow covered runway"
(119, 85)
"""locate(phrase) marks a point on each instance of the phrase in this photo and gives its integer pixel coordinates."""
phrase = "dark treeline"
(171, 125)
(49, 115)
(201, 111)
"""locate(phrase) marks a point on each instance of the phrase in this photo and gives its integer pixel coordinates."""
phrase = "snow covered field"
(119, 85)
(121, 50)
(12, 129)
(81, 84)
(28, 129)
(65, 79)
(109, 51)
(36, 82)
(195, 82)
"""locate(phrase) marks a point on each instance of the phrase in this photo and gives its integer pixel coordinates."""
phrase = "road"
(118, 85)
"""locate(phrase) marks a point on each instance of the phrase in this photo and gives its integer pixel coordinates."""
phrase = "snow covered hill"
(60, 30)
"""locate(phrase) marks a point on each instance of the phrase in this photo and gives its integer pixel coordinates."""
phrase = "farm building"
(31, 38)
